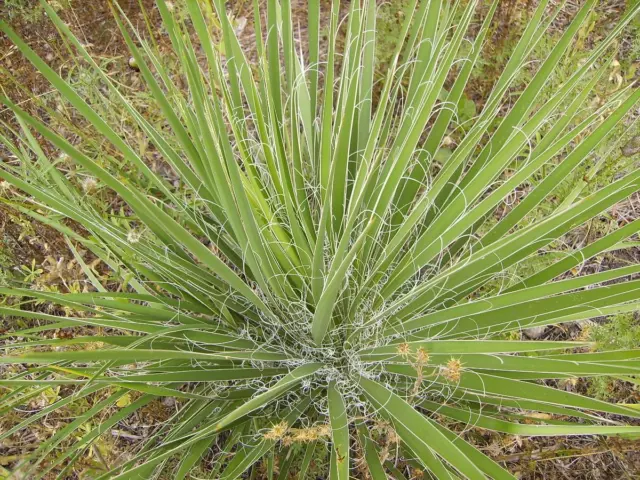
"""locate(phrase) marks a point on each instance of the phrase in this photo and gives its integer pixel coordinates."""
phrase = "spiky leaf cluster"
(317, 275)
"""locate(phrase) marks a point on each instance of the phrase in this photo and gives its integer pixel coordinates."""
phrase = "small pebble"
(632, 147)
(534, 332)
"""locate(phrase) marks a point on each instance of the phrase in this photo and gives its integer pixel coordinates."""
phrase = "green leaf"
(340, 432)
(371, 456)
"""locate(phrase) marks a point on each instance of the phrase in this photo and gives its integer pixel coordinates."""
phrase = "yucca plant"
(318, 279)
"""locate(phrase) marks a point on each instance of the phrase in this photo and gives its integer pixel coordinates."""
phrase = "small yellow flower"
(422, 356)
(417, 473)
(305, 435)
(277, 431)
(404, 349)
(324, 430)
(452, 370)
